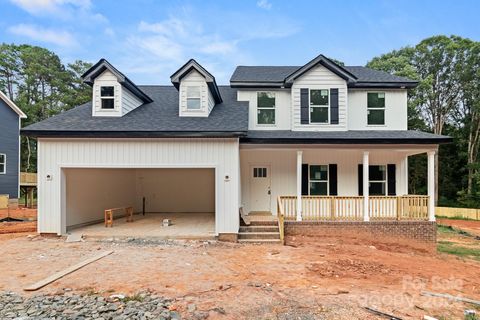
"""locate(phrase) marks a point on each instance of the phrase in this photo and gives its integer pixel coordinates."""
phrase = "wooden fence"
(3, 201)
(466, 213)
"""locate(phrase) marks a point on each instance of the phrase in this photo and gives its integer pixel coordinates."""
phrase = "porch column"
(366, 216)
(299, 185)
(431, 185)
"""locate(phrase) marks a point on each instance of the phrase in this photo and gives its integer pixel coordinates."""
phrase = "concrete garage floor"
(197, 226)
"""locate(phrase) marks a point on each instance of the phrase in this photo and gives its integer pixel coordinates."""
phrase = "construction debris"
(75, 237)
(383, 314)
(449, 296)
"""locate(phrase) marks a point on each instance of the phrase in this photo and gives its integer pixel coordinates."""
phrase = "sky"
(148, 40)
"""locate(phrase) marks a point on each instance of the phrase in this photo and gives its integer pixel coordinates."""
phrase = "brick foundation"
(228, 237)
(421, 231)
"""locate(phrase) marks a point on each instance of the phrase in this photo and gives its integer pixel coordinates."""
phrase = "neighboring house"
(10, 121)
(319, 141)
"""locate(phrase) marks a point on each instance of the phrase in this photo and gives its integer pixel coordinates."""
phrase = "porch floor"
(261, 216)
(198, 226)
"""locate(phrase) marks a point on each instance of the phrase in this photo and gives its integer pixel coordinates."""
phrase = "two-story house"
(313, 143)
(10, 122)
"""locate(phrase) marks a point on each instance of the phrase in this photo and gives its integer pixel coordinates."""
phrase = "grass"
(452, 231)
(451, 248)
(459, 217)
(135, 297)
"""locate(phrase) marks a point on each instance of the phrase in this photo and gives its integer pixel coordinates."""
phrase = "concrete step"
(260, 241)
(258, 229)
(259, 235)
(263, 223)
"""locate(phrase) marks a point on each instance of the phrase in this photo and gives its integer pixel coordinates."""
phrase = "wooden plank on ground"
(449, 296)
(60, 274)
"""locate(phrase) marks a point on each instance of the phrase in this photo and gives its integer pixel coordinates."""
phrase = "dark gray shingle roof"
(277, 74)
(352, 136)
(157, 118)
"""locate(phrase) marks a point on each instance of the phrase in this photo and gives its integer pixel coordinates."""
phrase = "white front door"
(260, 187)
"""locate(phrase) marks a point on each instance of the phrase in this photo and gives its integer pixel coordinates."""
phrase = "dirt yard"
(28, 215)
(311, 278)
(470, 226)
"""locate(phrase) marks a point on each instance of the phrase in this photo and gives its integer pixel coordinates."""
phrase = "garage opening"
(185, 196)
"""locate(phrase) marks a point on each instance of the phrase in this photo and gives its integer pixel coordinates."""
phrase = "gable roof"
(160, 118)
(191, 64)
(12, 105)
(102, 65)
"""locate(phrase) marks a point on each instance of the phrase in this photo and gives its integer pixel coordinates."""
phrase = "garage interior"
(186, 196)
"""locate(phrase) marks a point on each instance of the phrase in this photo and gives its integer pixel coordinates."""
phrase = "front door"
(260, 187)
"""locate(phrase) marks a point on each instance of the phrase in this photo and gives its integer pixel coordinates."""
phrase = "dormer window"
(319, 106)
(194, 101)
(107, 95)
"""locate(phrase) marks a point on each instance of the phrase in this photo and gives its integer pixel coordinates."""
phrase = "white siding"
(56, 154)
(211, 102)
(193, 78)
(395, 110)
(320, 78)
(129, 101)
(107, 79)
(282, 109)
(283, 169)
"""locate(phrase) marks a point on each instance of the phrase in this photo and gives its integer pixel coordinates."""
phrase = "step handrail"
(281, 220)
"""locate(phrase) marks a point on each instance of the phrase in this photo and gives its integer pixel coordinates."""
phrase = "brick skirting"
(422, 231)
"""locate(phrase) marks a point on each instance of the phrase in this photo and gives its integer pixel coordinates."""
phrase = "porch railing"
(350, 208)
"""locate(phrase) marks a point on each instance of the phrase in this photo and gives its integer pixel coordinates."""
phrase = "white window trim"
(384, 109)
(274, 124)
(199, 98)
(107, 98)
(318, 106)
(4, 163)
(327, 181)
(384, 181)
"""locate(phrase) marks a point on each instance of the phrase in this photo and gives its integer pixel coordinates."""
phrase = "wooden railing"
(281, 220)
(350, 208)
(28, 179)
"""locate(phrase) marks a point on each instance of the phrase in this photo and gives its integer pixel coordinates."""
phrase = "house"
(312, 144)
(10, 122)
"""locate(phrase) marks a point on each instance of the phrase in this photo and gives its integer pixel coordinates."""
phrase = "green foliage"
(464, 252)
(41, 85)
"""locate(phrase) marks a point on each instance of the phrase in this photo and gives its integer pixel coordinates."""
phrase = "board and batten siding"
(395, 110)
(54, 155)
(283, 169)
(194, 78)
(282, 108)
(320, 77)
(9, 145)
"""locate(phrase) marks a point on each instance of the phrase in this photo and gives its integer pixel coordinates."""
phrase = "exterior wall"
(129, 101)
(283, 172)
(107, 79)
(194, 79)
(283, 109)
(9, 145)
(320, 78)
(395, 110)
(90, 191)
(421, 231)
(54, 155)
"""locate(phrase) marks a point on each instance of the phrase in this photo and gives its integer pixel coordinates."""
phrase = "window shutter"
(334, 106)
(360, 179)
(332, 179)
(305, 179)
(391, 182)
(304, 107)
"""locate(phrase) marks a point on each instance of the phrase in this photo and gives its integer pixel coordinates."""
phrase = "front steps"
(259, 232)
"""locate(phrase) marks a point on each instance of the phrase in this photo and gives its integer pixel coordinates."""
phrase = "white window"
(259, 172)
(266, 108)
(3, 163)
(318, 180)
(107, 95)
(319, 105)
(377, 178)
(376, 108)
(193, 98)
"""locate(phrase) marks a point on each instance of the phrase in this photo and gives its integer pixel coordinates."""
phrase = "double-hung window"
(319, 103)
(266, 108)
(377, 178)
(3, 163)
(194, 101)
(318, 180)
(376, 108)
(107, 95)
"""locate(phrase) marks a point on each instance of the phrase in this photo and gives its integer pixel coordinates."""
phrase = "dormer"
(198, 91)
(114, 95)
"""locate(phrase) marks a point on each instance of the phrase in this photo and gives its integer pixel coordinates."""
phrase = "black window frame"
(107, 102)
(375, 108)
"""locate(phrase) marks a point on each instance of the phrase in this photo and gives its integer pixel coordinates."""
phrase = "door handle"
(269, 192)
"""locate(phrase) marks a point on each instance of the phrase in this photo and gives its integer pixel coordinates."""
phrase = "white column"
(299, 185)
(431, 185)
(366, 216)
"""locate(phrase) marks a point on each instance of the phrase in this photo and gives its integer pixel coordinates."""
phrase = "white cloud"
(58, 37)
(41, 7)
(264, 4)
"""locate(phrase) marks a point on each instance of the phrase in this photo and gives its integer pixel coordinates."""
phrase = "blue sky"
(148, 40)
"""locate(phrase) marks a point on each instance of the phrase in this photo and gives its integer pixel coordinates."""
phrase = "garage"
(185, 196)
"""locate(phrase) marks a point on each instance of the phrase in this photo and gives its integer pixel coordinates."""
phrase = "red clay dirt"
(310, 278)
(471, 226)
(29, 225)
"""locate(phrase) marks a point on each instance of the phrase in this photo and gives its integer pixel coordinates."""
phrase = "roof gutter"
(345, 141)
(132, 134)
